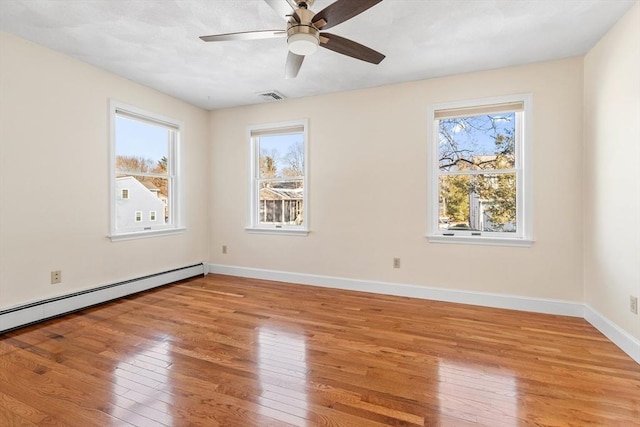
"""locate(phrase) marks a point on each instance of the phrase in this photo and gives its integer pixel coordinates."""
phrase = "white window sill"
(479, 240)
(281, 231)
(145, 234)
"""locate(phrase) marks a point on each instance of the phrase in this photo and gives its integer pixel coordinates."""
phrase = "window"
(279, 194)
(479, 185)
(145, 172)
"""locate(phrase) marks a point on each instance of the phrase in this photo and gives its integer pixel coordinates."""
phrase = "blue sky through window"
(141, 139)
(277, 147)
(473, 138)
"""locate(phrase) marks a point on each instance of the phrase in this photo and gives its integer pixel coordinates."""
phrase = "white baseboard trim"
(619, 337)
(613, 332)
(538, 305)
(25, 314)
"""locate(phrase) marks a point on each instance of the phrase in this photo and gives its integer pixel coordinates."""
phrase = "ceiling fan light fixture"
(302, 43)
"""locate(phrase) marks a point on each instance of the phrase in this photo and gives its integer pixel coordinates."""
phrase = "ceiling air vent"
(271, 95)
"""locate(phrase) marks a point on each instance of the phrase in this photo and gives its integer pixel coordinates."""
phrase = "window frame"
(174, 172)
(522, 170)
(254, 225)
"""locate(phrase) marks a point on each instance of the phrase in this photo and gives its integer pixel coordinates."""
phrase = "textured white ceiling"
(155, 42)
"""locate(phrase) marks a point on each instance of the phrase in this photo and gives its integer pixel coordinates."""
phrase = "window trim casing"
(524, 197)
(176, 190)
(253, 224)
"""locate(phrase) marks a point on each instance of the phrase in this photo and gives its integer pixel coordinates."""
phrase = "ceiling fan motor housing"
(303, 37)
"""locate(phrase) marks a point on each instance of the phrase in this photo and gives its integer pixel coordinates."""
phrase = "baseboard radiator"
(26, 314)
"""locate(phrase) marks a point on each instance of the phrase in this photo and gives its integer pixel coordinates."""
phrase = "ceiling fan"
(303, 31)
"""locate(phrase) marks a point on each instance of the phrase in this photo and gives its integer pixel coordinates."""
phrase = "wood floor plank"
(227, 351)
(21, 413)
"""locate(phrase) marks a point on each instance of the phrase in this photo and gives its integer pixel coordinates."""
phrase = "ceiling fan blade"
(341, 11)
(245, 35)
(284, 8)
(294, 62)
(350, 48)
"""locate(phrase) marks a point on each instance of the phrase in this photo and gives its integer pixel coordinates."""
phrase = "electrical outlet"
(396, 263)
(224, 249)
(56, 276)
(633, 304)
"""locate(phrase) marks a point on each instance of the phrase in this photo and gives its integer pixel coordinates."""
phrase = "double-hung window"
(279, 192)
(145, 173)
(480, 171)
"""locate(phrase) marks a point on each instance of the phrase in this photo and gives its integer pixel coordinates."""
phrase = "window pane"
(144, 190)
(281, 156)
(281, 202)
(145, 194)
(141, 146)
(278, 187)
(477, 203)
(477, 142)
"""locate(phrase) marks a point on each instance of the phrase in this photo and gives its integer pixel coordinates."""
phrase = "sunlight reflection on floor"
(478, 394)
(282, 370)
(143, 388)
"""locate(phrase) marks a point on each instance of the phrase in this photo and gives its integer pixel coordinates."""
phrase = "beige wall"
(368, 156)
(54, 186)
(612, 173)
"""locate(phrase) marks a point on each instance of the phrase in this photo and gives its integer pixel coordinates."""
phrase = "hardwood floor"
(227, 351)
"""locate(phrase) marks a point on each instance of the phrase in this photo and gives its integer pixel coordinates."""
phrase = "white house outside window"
(279, 194)
(479, 158)
(145, 172)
